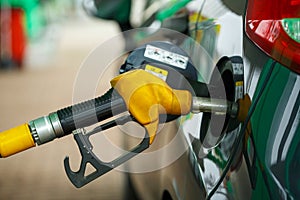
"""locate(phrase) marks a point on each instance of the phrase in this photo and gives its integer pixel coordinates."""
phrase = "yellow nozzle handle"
(147, 96)
(15, 140)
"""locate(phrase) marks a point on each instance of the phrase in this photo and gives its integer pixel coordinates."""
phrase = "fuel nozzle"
(60, 123)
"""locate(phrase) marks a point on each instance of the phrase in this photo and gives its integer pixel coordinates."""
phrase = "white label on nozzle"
(167, 57)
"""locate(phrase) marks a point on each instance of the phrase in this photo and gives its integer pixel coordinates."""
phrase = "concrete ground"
(46, 84)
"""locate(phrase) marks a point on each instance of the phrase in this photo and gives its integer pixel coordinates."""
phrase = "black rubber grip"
(90, 112)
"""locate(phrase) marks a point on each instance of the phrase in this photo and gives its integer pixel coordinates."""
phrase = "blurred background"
(43, 43)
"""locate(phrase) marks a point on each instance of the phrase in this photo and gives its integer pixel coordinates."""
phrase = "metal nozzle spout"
(217, 106)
